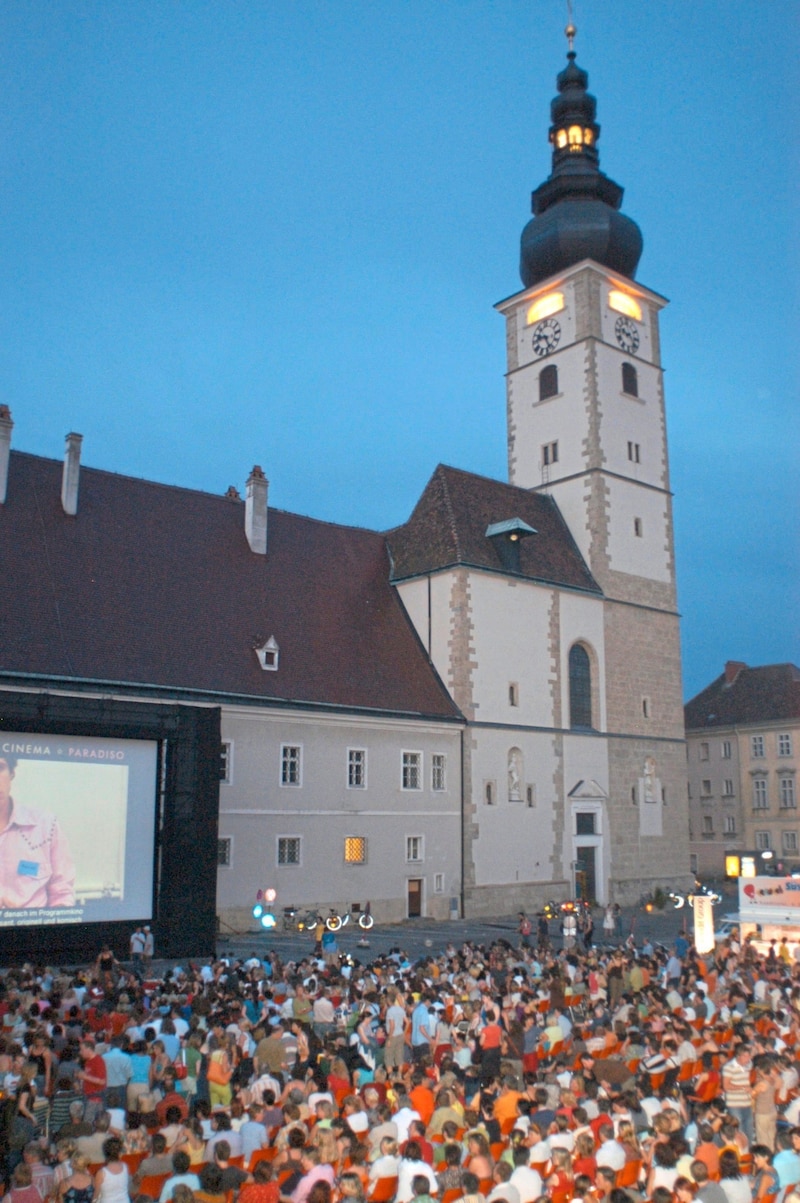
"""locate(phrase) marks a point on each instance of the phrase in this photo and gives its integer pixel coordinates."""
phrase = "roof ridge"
(505, 484)
(450, 512)
(205, 493)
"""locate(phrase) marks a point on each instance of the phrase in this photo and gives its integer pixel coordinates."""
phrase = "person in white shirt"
(403, 1117)
(527, 1180)
(611, 1153)
(412, 1166)
(387, 1164)
(504, 1189)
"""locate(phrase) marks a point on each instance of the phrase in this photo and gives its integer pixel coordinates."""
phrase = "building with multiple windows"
(742, 735)
(474, 712)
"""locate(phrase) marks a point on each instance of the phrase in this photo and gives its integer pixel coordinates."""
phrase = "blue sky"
(273, 233)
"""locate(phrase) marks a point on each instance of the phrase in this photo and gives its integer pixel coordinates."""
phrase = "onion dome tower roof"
(576, 210)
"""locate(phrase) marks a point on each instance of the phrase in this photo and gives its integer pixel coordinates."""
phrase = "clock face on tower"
(627, 333)
(546, 337)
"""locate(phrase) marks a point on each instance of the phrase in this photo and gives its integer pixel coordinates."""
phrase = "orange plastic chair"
(450, 1196)
(630, 1174)
(151, 1185)
(133, 1161)
(384, 1190)
(257, 1155)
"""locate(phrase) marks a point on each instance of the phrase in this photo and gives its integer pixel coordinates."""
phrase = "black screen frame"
(186, 801)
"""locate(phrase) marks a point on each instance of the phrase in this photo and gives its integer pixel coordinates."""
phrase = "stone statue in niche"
(649, 779)
(515, 775)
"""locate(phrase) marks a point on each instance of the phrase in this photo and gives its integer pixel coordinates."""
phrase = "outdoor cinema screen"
(77, 821)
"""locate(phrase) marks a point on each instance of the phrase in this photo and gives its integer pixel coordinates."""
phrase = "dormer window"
(268, 655)
(505, 537)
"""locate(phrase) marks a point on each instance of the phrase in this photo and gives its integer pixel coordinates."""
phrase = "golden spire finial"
(570, 30)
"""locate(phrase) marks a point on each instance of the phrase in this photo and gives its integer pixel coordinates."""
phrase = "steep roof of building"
(152, 584)
(449, 524)
(770, 693)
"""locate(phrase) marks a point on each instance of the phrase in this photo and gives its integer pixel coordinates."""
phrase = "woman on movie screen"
(36, 865)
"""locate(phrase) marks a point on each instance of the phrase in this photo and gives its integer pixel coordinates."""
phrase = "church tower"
(586, 425)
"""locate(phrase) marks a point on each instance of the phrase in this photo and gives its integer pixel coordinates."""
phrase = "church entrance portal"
(585, 873)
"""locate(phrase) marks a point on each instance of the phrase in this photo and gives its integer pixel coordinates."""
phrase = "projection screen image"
(77, 827)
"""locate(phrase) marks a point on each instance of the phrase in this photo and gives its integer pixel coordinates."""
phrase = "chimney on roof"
(71, 474)
(255, 511)
(732, 670)
(6, 426)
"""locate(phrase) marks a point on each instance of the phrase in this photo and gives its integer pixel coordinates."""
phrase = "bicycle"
(336, 921)
(295, 919)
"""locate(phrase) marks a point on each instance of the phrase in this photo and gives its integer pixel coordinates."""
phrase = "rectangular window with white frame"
(224, 852)
(763, 841)
(356, 768)
(550, 454)
(727, 787)
(757, 747)
(760, 799)
(291, 765)
(784, 743)
(704, 751)
(438, 883)
(789, 841)
(705, 788)
(226, 762)
(726, 749)
(438, 772)
(289, 850)
(415, 849)
(411, 770)
(788, 796)
(729, 825)
(708, 824)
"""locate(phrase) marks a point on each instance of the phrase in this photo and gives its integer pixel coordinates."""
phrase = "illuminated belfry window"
(623, 302)
(575, 137)
(546, 306)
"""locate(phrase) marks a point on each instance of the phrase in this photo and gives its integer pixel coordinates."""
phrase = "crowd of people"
(510, 1073)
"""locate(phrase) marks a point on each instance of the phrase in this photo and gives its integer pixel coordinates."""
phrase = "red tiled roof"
(756, 695)
(448, 527)
(156, 585)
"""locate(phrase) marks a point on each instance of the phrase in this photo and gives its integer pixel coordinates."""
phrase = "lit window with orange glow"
(587, 137)
(575, 137)
(550, 303)
(732, 866)
(623, 302)
(561, 138)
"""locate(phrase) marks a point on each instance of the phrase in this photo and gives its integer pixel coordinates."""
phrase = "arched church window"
(580, 687)
(630, 380)
(548, 382)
